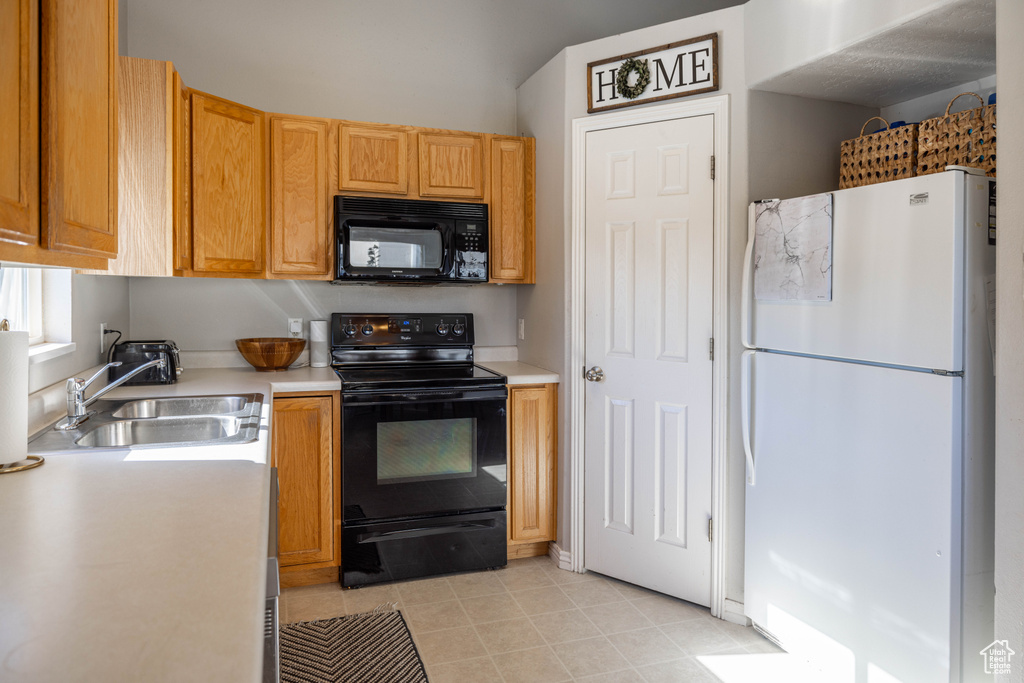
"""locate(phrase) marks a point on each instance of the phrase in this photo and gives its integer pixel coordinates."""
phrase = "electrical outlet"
(522, 329)
(295, 327)
(103, 337)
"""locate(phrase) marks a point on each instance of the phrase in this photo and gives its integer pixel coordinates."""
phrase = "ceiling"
(953, 44)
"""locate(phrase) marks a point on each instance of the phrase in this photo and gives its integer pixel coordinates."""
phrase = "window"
(21, 301)
(38, 301)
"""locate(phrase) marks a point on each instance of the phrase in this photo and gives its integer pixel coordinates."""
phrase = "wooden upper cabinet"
(78, 108)
(532, 456)
(228, 188)
(373, 159)
(304, 440)
(451, 165)
(512, 218)
(182, 141)
(300, 243)
(19, 122)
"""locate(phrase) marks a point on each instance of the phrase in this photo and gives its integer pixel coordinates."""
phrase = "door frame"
(718, 107)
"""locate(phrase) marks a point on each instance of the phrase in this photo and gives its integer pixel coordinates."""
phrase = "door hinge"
(710, 530)
(712, 166)
(711, 348)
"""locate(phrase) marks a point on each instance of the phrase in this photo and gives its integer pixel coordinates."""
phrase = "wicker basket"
(966, 138)
(889, 154)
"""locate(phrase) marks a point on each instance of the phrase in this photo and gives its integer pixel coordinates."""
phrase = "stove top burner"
(412, 376)
(401, 352)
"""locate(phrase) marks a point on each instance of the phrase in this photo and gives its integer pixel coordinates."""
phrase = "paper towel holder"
(33, 460)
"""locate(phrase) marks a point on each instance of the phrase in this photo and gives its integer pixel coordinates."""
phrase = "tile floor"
(533, 622)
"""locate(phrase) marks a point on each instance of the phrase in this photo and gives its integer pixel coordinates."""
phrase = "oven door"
(371, 248)
(422, 453)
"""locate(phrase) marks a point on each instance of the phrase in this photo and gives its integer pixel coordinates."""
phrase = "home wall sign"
(680, 69)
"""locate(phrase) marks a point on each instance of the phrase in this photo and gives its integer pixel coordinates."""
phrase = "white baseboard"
(733, 613)
(562, 558)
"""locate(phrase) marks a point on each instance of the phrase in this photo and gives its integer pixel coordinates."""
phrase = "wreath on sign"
(643, 78)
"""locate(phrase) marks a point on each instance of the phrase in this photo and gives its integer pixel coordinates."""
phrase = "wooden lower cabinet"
(306, 451)
(532, 468)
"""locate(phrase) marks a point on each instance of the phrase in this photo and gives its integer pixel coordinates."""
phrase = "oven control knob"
(442, 329)
(458, 329)
(349, 330)
(367, 329)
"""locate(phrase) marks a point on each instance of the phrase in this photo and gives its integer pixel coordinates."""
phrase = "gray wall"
(1009, 332)
(208, 314)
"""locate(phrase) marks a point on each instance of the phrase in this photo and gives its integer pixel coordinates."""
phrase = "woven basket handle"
(961, 95)
(869, 121)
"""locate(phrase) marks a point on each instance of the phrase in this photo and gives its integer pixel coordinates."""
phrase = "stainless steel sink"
(181, 405)
(172, 422)
(179, 431)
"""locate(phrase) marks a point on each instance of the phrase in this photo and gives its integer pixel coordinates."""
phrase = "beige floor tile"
(590, 593)
(313, 606)
(561, 576)
(590, 656)
(524, 577)
(543, 600)
(744, 635)
(427, 590)
(560, 627)
(359, 600)
(646, 646)
(507, 636)
(492, 608)
(698, 637)
(435, 616)
(624, 676)
(477, 584)
(662, 609)
(616, 617)
(629, 591)
(677, 671)
(479, 670)
(764, 647)
(537, 665)
(449, 645)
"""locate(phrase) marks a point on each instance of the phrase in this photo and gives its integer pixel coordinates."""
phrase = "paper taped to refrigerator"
(793, 249)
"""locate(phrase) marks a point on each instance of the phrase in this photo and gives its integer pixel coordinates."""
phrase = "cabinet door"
(373, 159)
(531, 461)
(182, 176)
(78, 106)
(512, 221)
(19, 122)
(300, 245)
(228, 187)
(302, 452)
(451, 165)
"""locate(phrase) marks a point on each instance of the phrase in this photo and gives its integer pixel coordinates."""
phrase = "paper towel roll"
(319, 351)
(13, 396)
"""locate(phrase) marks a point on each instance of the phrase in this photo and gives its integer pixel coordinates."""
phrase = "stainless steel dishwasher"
(271, 623)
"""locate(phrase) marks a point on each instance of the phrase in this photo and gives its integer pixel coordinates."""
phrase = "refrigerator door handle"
(746, 406)
(747, 293)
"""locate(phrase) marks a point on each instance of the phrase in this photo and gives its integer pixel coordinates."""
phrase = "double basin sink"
(171, 422)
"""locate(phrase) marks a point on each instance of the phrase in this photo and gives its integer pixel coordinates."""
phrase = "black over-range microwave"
(409, 240)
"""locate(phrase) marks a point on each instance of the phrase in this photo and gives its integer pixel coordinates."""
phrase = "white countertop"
(521, 373)
(145, 564)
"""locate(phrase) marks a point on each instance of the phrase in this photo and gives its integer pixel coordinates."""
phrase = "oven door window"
(395, 248)
(426, 450)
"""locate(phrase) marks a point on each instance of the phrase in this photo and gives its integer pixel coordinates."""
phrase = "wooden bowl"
(270, 354)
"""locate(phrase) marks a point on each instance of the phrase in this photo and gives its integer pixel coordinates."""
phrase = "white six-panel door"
(649, 275)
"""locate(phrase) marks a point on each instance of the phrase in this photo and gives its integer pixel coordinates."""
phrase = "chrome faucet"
(77, 403)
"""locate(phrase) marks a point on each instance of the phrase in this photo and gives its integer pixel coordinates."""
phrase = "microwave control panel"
(471, 250)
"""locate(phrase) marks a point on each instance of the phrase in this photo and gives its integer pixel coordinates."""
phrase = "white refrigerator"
(869, 433)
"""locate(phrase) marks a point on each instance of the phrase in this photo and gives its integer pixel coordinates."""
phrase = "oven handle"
(418, 532)
(372, 398)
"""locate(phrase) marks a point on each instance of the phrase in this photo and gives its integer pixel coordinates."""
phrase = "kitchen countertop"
(521, 373)
(145, 564)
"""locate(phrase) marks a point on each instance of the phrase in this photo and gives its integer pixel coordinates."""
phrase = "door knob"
(594, 374)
